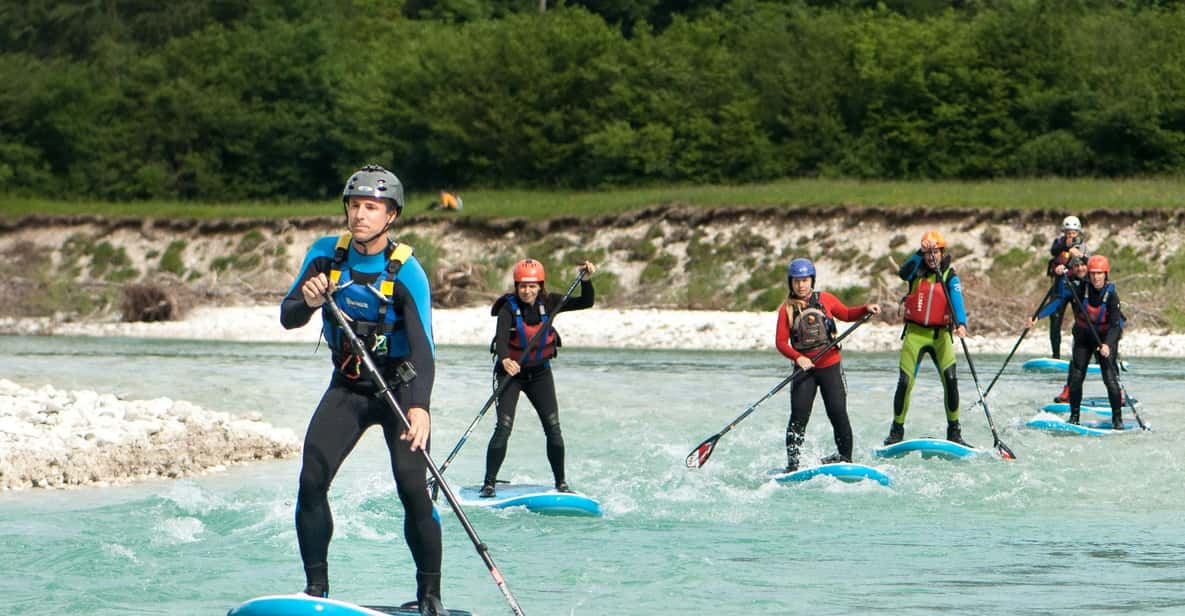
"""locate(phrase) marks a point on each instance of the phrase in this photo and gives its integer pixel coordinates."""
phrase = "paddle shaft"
(701, 459)
(1004, 450)
(1099, 342)
(385, 392)
(1023, 333)
(531, 343)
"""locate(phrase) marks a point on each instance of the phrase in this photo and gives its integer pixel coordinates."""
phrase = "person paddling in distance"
(383, 289)
(806, 324)
(1069, 276)
(521, 315)
(1066, 246)
(1098, 325)
(933, 310)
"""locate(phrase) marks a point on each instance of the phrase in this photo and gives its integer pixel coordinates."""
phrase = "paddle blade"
(699, 456)
(1005, 452)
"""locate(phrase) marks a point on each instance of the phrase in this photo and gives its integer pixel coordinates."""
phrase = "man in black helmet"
(382, 288)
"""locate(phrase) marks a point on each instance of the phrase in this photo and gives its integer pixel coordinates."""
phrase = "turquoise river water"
(1075, 525)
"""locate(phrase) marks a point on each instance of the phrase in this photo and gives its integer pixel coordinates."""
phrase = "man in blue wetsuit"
(383, 289)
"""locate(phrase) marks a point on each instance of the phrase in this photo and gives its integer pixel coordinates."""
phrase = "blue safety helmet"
(801, 268)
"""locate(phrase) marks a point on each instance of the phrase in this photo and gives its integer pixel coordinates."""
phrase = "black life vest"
(811, 327)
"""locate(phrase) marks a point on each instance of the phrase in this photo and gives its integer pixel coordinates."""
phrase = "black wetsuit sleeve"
(579, 302)
(420, 354)
(294, 312)
(502, 334)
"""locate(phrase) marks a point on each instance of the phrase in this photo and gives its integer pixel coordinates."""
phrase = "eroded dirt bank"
(668, 256)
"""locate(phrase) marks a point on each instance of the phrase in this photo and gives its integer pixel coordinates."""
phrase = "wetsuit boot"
(1065, 395)
(793, 442)
(428, 594)
(487, 488)
(954, 433)
(1073, 418)
(317, 577)
(562, 486)
(1116, 420)
(834, 458)
(896, 433)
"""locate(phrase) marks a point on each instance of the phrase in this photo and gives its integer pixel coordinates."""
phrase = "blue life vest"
(369, 307)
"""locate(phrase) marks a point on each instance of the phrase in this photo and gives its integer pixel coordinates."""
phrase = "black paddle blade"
(699, 456)
(1005, 452)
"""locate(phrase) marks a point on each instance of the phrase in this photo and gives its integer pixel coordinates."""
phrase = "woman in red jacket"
(806, 324)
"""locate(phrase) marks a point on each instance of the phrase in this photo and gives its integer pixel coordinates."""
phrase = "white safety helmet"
(1071, 223)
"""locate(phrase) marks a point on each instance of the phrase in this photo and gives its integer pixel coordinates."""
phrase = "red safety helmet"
(528, 270)
(1098, 263)
(933, 239)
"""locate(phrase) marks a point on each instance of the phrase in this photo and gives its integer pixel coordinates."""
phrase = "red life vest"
(928, 304)
(544, 348)
(1096, 314)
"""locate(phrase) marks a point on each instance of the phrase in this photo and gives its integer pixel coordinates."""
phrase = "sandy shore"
(597, 328)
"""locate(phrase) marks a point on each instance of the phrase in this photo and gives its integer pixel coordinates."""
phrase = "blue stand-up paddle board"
(1098, 406)
(304, 605)
(929, 448)
(534, 497)
(1049, 364)
(1057, 425)
(845, 471)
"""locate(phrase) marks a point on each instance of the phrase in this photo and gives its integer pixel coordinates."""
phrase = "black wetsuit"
(349, 407)
(1060, 252)
(1086, 344)
(830, 381)
(535, 380)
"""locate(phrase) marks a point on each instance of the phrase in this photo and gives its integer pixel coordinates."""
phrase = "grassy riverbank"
(1068, 195)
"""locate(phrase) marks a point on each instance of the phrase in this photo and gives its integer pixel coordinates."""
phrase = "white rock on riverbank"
(54, 438)
(593, 328)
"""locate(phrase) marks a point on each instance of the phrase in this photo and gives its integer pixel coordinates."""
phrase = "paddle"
(1023, 333)
(1003, 449)
(699, 456)
(1005, 452)
(506, 381)
(1099, 341)
(406, 373)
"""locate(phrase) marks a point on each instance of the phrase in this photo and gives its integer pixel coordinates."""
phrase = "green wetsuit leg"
(944, 358)
(919, 340)
(907, 365)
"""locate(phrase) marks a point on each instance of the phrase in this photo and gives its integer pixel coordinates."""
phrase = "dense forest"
(219, 100)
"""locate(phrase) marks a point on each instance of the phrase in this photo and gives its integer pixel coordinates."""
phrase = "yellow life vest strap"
(340, 251)
(399, 255)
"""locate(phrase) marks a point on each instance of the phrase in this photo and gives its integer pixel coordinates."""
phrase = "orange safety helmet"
(528, 270)
(935, 238)
(1098, 263)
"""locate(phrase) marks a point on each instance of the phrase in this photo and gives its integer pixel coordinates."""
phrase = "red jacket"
(834, 309)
